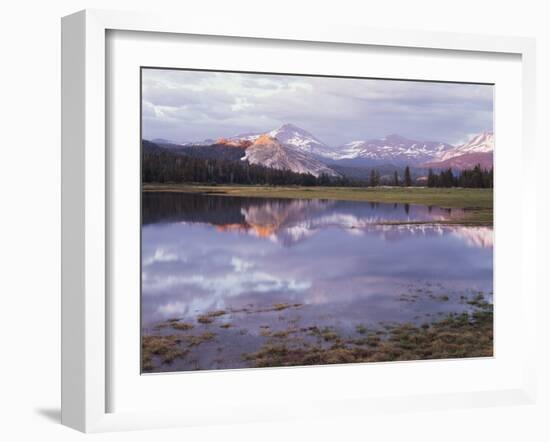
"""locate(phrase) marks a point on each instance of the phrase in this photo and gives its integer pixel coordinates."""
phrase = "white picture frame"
(85, 203)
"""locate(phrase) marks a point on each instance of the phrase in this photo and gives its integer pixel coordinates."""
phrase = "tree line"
(163, 166)
(476, 177)
(376, 180)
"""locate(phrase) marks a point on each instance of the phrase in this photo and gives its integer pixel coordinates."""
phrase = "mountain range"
(293, 148)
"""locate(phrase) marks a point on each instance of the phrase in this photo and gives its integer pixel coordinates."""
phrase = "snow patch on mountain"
(391, 149)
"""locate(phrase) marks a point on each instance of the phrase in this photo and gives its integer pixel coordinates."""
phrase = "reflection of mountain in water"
(475, 236)
(289, 221)
(285, 221)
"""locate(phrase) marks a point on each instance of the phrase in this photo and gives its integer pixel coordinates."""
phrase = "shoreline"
(477, 203)
(466, 334)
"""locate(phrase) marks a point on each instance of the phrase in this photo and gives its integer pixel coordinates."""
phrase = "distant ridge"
(300, 151)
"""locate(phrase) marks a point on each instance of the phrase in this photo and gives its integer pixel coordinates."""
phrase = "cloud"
(194, 105)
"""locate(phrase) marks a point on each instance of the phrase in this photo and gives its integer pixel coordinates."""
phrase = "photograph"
(303, 220)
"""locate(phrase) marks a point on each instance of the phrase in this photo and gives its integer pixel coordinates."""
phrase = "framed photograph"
(249, 215)
(270, 246)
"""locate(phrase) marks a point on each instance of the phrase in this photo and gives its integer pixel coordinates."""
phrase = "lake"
(227, 279)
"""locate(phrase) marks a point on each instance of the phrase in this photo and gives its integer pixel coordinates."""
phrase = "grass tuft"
(209, 317)
(182, 326)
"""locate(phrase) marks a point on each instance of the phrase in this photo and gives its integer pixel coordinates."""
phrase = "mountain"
(291, 135)
(239, 143)
(466, 161)
(212, 152)
(482, 143)
(393, 149)
(207, 142)
(150, 147)
(161, 141)
(271, 152)
(216, 150)
(479, 150)
(265, 151)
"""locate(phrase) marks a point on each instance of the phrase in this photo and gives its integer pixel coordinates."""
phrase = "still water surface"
(341, 264)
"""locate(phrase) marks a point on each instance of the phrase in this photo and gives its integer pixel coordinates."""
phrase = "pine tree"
(408, 180)
(447, 178)
(372, 178)
(395, 178)
(431, 178)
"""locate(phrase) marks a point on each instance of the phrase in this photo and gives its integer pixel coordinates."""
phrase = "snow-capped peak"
(290, 126)
(291, 136)
(482, 143)
(296, 137)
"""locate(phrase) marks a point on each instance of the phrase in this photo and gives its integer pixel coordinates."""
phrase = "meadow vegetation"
(455, 335)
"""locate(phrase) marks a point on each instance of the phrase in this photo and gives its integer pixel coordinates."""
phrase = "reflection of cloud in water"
(216, 293)
(229, 284)
(241, 265)
(159, 255)
(170, 309)
(328, 254)
(212, 289)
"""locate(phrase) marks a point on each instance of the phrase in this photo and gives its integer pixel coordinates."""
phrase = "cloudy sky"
(182, 106)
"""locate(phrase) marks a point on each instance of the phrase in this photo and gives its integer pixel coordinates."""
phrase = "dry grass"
(194, 340)
(181, 325)
(279, 307)
(165, 348)
(361, 329)
(456, 336)
(276, 308)
(209, 317)
(265, 332)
